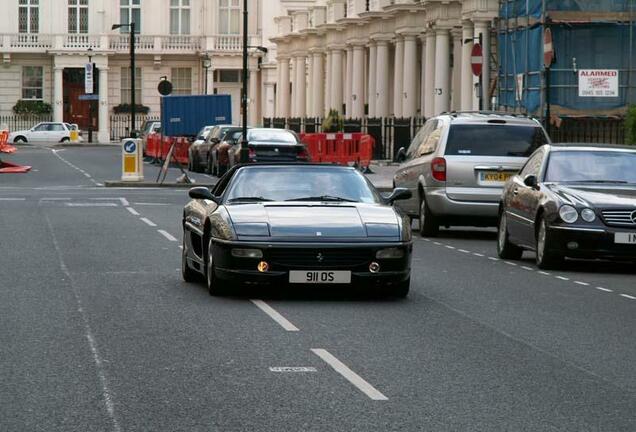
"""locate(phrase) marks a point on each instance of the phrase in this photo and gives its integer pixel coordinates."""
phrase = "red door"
(76, 110)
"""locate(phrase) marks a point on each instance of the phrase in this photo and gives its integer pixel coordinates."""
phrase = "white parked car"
(44, 132)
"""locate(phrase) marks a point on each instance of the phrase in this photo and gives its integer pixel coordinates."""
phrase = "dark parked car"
(298, 224)
(219, 154)
(271, 145)
(196, 154)
(576, 201)
(213, 139)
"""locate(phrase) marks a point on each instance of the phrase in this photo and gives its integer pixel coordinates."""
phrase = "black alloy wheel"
(546, 259)
(212, 282)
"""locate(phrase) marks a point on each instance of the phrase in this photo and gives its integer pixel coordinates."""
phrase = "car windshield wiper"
(322, 198)
(249, 198)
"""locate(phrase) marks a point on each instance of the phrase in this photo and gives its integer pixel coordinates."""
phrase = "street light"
(244, 152)
(131, 42)
(207, 64)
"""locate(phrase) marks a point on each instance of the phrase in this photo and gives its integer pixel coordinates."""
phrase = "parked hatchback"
(457, 164)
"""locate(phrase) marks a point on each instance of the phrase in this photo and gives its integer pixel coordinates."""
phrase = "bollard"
(132, 161)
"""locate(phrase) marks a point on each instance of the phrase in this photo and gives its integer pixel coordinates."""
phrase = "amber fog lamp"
(263, 267)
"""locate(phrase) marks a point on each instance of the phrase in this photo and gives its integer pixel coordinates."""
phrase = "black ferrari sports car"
(573, 201)
(299, 224)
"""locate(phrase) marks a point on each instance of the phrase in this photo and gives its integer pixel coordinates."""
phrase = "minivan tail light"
(438, 168)
(251, 153)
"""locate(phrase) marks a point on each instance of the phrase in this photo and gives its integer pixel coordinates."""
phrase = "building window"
(29, 16)
(182, 81)
(126, 87)
(179, 16)
(130, 11)
(78, 16)
(227, 76)
(32, 82)
(229, 16)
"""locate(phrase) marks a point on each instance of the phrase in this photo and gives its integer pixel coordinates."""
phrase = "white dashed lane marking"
(275, 315)
(541, 272)
(133, 211)
(349, 375)
(167, 235)
(148, 222)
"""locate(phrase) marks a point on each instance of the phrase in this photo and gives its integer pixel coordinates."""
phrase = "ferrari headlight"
(568, 214)
(588, 215)
(389, 253)
(247, 253)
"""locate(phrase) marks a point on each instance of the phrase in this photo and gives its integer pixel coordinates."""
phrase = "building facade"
(380, 58)
(45, 44)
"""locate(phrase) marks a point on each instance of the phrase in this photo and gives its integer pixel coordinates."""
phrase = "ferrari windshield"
(300, 183)
(592, 166)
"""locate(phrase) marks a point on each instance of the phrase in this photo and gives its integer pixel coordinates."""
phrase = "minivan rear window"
(494, 140)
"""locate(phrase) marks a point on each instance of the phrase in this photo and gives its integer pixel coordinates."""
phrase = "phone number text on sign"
(598, 83)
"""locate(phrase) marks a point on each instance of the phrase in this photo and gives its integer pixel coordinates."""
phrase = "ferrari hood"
(316, 221)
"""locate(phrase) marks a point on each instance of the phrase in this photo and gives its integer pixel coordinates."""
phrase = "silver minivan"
(457, 164)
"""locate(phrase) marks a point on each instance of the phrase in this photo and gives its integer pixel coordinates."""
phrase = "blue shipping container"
(185, 115)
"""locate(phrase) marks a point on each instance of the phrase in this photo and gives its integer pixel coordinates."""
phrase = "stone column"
(409, 83)
(357, 94)
(268, 100)
(292, 80)
(382, 79)
(311, 87)
(252, 106)
(483, 28)
(349, 82)
(398, 78)
(319, 85)
(283, 111)
(466, 70)
(423, 77)
(372, 78)
(442, 71)
(103, 134)
(336, 80)
(328, 80)
(429, 84)
(457, 78)
(58, 94)
(210, 80)
(300, 87)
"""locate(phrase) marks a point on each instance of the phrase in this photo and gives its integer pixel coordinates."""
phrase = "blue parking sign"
(130, 147)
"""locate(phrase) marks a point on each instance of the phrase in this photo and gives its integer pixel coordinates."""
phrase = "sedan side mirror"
(530, 181)
(399, 194)
(201, 192)
(401, 155)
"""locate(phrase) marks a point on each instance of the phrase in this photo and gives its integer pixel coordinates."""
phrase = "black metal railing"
(120, 124)
(603, 130)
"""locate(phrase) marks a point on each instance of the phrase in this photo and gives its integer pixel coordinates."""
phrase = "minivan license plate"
(320, 277)
(625, 238)
(493, 176)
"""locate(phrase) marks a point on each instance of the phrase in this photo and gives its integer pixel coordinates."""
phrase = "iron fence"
(19, 122)
(604, 130)
(120, 124)
(389, 133)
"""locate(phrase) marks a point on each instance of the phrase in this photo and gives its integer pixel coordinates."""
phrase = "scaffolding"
(586, 34)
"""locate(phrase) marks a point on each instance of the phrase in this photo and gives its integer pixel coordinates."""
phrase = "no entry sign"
(476, 59)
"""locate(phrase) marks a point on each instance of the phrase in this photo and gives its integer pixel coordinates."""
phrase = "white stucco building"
(379, 58)
(44, 45)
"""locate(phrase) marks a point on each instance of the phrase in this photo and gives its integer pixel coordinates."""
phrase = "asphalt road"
(99, 333)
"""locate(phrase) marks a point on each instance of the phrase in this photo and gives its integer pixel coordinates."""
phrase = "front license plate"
(625, 238)
(494, 176)
(319, 277)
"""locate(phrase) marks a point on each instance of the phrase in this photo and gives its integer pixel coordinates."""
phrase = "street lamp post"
(206, 63)
(244, 152)
(132, 74)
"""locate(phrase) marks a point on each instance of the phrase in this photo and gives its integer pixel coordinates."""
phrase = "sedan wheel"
(429, 226)
(546, 259)
(505, 249)
(195, 163)
(188, 274)
(212, 281)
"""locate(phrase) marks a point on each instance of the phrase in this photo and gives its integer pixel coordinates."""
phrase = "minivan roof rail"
(484, 112)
